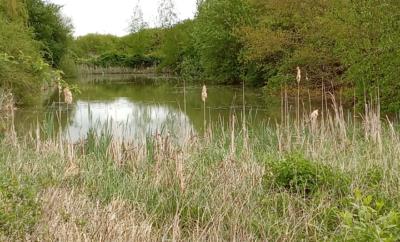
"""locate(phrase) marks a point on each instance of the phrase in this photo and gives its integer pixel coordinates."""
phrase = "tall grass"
(287, 181)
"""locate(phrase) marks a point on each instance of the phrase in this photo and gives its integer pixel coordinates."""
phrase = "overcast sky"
(111, 16)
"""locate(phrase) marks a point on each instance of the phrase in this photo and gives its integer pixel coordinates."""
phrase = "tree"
(51, 28)
(214, 40)
(137, 23)
(167, 14)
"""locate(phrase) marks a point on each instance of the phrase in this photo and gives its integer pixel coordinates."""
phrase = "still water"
(144, 104)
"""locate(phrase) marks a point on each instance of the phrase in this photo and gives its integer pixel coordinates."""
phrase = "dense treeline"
(338, 44)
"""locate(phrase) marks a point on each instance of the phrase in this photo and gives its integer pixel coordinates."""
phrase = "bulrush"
(68, 95)
(204, 93)
(298, 78)
(314, 115)
(203, 97)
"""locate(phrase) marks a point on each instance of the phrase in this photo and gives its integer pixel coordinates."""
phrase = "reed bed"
(85, 70)
(302, 179)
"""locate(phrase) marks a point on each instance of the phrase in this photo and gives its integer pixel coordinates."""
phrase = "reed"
(203, 98)
(151, 188)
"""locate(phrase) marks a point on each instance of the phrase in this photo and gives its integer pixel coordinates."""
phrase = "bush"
(68, 66)
(21, 66)
(52, 29)
(301, 175)
(113, 59)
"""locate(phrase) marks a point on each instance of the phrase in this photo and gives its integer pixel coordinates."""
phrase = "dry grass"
(69, 215)
(221, 188)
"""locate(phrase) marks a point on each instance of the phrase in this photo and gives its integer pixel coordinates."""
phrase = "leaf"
(368, 200)
(358, 195)
(379, 205)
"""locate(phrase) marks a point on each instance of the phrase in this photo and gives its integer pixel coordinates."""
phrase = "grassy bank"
(323, 178)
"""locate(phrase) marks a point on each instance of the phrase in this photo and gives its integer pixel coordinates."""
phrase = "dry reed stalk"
(314, 132)
(12, 132)
(372, 124)
(72, 168)
(179, 166)
(116, 221)
(233, 136)
(184, 110)
(339, 118)
(204, 97)
(176, 230)
(37, 136)
(60, 139)
(245, 136)
(279, 136)
(298, 78)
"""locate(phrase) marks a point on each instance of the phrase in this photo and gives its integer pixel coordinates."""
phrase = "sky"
(111, 16)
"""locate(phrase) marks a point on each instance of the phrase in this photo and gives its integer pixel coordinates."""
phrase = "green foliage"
(176, 43)
(67, 64)
(367, 221)
(21, 66)
(50, 28)
(23, 70)
(298, 174)
(369, 49)
(214, 41)
(14, 10)
(95, 44)
(19, 207)
(343, 43)
(113, 59)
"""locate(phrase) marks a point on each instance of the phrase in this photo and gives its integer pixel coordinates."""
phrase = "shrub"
(21, 66)
(298, 174)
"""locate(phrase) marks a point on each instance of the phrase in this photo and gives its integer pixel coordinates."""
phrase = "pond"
(145, 104)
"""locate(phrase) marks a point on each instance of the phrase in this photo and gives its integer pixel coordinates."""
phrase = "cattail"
(204, 93)
(68, 95)
(203, 97)
(314, 115)
(298, 78)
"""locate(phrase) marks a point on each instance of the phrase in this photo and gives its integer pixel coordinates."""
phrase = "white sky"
(111, 16)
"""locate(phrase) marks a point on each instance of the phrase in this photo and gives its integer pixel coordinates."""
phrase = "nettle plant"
(368, 221)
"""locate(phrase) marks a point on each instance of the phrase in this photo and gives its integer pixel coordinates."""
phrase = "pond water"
(143, 104)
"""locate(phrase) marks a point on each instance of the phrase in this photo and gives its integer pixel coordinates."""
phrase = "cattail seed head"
(314, 115)
(68, 95)
(298, 78)
(204, 93)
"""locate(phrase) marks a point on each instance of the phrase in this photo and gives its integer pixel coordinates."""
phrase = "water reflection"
(132, 119)
(143, 104)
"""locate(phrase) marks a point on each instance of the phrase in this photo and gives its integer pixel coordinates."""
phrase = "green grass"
(327, 184)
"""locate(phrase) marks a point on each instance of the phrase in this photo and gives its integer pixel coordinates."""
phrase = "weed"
(19, 208)
(367, 221)
(298, 174)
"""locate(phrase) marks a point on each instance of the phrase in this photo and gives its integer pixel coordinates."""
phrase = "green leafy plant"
(368, 222)
(19, 208)
(298, 174)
